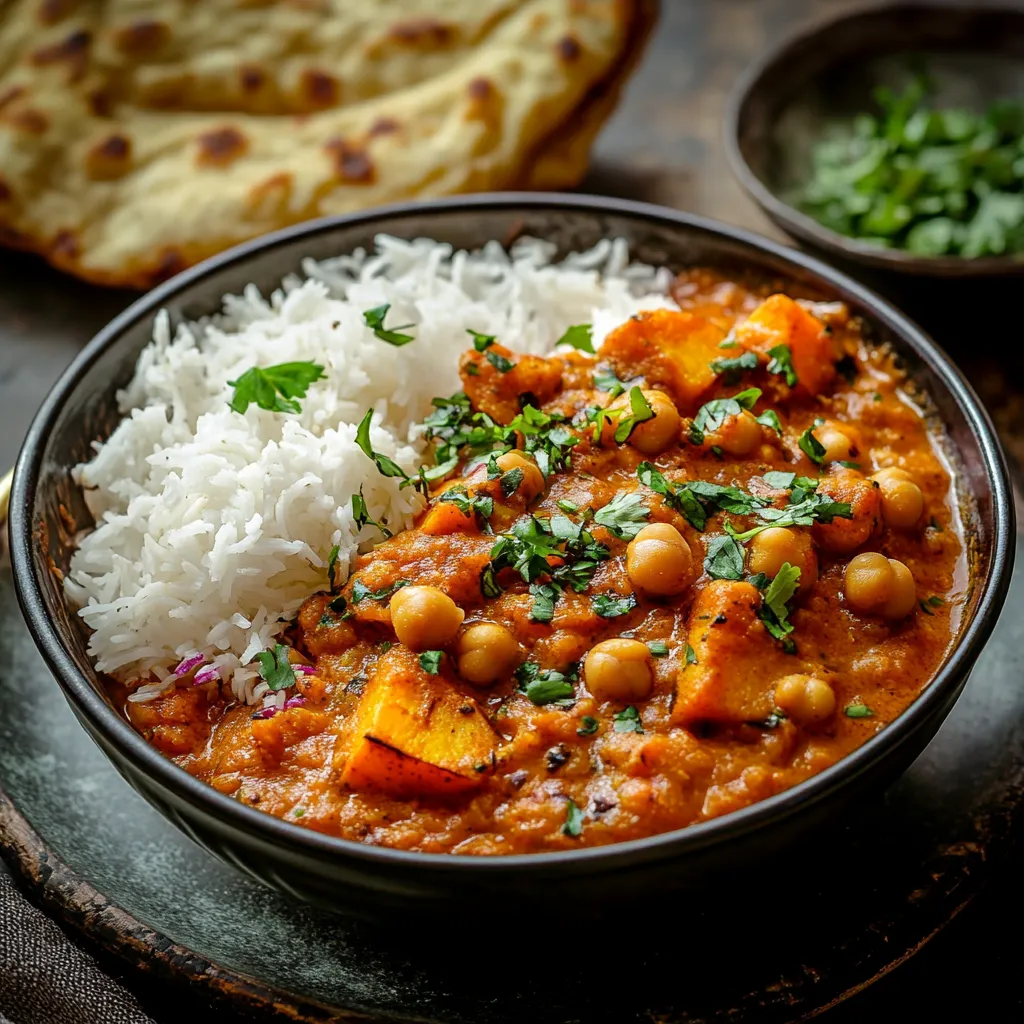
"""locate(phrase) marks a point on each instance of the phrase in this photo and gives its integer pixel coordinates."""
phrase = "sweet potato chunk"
(737, 659)
(502, 376)
(416, 736)
(781, 321)
(672, 350)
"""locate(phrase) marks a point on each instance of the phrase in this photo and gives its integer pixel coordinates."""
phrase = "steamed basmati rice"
(213, 526)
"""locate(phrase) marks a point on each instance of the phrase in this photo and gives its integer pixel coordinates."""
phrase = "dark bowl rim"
(104, 721)
(801, 225)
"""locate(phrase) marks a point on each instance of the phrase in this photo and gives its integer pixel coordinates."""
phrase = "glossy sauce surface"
(383, 749)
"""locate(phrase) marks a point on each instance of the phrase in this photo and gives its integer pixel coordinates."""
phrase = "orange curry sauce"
(393, 747)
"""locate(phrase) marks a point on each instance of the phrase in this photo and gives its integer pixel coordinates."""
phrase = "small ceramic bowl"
(786, 101)
(47, 512)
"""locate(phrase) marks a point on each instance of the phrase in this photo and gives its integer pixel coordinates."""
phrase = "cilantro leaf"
(430, 661)
(712, 415)
(568, 506)
(625, 515)
(677, 496)
(510, 481)
(781, 481)
(275, 388)
(627, 720)
(544, 597)
(384, 465)
(611, 605)
(658, 648)
(588, 726)
(733, 368)
(275, 668)
(691, 656)
(374, 319)
(360, 591)
(640, 412)
(781, 362)
(479, 505)
(858, 711)
(606, 380)
(545, 685)
(481, 342)
(812, 447)
(770, 419)
(498, 361)
(580, 336)
(573, 820)
(332, 568)
(774, 612)
(724, 560)
(361, 514)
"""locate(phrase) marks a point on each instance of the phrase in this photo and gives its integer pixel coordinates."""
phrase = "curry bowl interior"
(972, 55)
(48, 510)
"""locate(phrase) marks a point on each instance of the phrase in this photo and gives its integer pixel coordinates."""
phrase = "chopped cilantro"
(606, 380)
(360, 591)
(480, 505)
(858, 711)
(374, 319)
(628, 720)
(847, 464)
(573, 820)
(588, 726)
(544, 597)
(545, 685)
(498, 361)
(472, 369)
(510, 481)
(275, 388)
(611, 605)
(658, 648)
(732, 368)
(362, 516)
(691, 656)
(724, 559)
(713, 414)
(639, 412)
(580, 336)
(384, 465)
(774, 612)
(430, 661)
(770, 419)
(811, 446)
(568, 506)
(781, 363)
(275, 668)
(931, 602)
(625, 515)
(332, 568)
(481, 342)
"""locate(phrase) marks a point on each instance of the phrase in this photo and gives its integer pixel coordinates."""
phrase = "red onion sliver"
(207, 675)
(304, 670)
(189, 663)
(265, 713)
(294, 702)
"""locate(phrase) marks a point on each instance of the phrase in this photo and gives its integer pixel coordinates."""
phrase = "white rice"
(213, 526)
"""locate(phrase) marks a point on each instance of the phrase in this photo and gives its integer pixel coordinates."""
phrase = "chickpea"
(805, 699)
(533, 479)
(425, 618)
(486, 653)
(659, 561)
(772, 548)
(738, 435)
(618, 669)
(876, 585)
(838, 444)
(843, 536)
(902, 500)
(653, 435)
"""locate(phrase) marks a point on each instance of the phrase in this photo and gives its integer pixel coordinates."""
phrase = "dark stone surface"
(948, 831)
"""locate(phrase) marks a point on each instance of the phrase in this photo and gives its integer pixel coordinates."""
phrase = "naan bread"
(140, 136)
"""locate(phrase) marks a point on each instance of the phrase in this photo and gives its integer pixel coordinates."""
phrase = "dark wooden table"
(664, 145)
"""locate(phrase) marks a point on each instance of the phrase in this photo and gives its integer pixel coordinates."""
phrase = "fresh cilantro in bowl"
(934, 181)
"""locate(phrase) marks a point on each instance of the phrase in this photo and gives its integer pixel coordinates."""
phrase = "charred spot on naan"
(142, 37)
(72, 52)
(319, 90)
(221, 147)
(109, 158)
(351, 163)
